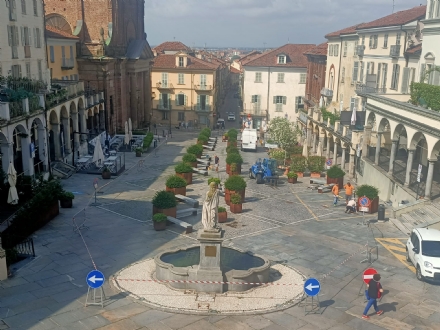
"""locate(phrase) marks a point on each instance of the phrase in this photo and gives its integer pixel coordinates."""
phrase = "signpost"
(329, 163)
(367, 276)
(95, 185)
(95, 280)
(419, 176)
(312, 287)
(364, 206)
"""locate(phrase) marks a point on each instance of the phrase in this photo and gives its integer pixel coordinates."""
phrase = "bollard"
(381, 212)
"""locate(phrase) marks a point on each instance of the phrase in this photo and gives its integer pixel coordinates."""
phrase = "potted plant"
(233, 158)
(206, 131)
(138, 152)
(195, 149)
(164, 202)
(176, 184)
(292, 177)
(191, 159)
(216, 180)
(232, 149)
(106, 173)
(316, 165)
(234, 184)
(298, 165)
(297, 150)
(184, 171)
(159, 221)
(222, 214)
(373, 195)
(202, 139)
(335, 175)
(225, 137)
(233, 169)
(66, 198)
(232, 141)
(236, 206)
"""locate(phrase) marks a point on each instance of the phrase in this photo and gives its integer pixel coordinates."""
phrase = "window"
(52, 54)
(373, 41)
(37, 37)
(355, 48)
(384, 75)
(16, 71)
(164, 115)
(23, 7)
(181, 61)
(203, 80)
(164, 82)
(280, 78)
(363, 40)
(71, 52)
(40, 70)
(345, 48)
(395, 76)
(203, 102)
(255, 100)
(422, 73)
(35, 8)
(257, 77)
(279, 101)
(398, 38)
(353, 103)
(281, 59)
(181, 79)
(181, 99)
(385, 41)
(164, 101)
(336, 50)
(181, 116)
(342, 74)
(354, 77)
(302, 78)
(298, 103)
(361, 71)
(405, 80)
(330, 50)
(28, 70)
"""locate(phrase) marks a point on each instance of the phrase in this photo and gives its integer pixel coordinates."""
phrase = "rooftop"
(54, 33)
(414, 49)
(347, 30)
(321, 49)
(400, 18)
(171, 46)
(294, 56)
(166, 61)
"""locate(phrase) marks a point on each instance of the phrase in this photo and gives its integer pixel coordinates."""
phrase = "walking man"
(374, 292)
(216, 162)
(335, 191)
(348, 191)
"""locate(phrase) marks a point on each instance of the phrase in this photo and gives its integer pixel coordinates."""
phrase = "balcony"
(360, 50)
(63, 90)
(203, 88)
(27, 51)
(327, 92)
(162, 106)
(161, 85)
(67, 63)
(203, 108)
(14, 52)
(254, 110)
(395, 51)
(370, 90)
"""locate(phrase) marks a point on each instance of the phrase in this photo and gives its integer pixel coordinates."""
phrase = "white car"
(231, 116)
(220, 122)
(423, 251)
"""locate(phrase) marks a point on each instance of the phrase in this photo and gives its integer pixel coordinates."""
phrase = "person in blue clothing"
(374, 292)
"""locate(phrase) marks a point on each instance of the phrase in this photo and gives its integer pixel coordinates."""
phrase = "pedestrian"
(351, 206)
(348, 191)
(373, 292)
(166, 138)
(186, 125)
(216, 162)
(335, 191)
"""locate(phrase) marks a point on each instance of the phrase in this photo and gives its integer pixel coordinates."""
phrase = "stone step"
(318, 181)
(434, 209)
(187, 200)
(183, 224)
(430, 216)
(400, 226)
(186, 212)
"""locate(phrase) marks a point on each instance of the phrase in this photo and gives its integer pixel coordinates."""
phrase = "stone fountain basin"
(236, 266)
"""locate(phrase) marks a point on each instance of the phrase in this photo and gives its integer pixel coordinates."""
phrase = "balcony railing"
(327, 92)
(27, 51)
(162, 106)
(67, 63)
(255, 111)
(200, 107)
(160, 85)
(203, 87)
(16, 109)
(360, 50)
(370, 90)
(14, 52)
(395, 51)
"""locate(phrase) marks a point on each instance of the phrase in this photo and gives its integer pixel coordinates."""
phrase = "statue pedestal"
(209, 266)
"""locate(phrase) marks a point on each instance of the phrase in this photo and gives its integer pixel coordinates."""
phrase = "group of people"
(350, 202)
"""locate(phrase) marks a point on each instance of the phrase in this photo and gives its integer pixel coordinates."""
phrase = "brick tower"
(113, 54)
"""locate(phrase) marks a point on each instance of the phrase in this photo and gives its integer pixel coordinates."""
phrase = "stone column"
(133, 103)
(343, 158)
(327, 151)
(321, 145)
(366, 140)
(6, 155)
(335, 153)
(75, 127)
(392, 156)
(56, 140)
(351, 164)
(429, 178)
(67, 143)
(27, 160)
(378, 144)
(42, 148)
(83, 120)
(409, 166)
(309, 137)
(96, 122)
(314, 144)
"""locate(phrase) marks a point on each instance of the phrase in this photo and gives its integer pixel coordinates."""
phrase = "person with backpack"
(373, 293)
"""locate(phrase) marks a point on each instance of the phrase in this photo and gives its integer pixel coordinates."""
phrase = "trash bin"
(381, 212)
(155, 143)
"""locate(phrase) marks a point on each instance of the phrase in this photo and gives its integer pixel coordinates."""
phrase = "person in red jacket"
(374, 292)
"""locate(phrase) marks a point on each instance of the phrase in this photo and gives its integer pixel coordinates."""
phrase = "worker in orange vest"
(335, 191)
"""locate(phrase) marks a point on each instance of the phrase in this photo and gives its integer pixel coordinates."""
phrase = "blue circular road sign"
(364, 201)
(329, 162)
(312, 287)
(95, 279)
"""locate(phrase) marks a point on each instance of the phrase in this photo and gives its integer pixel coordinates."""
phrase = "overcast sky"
(251, 23)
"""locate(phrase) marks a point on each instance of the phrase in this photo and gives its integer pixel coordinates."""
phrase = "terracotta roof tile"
(294, 52)
(171, 46)
(321, 49)
(399, 18)
(414, 49)
(250, 56)
(234, 70)
(168, 61)
(52, 32)
(347, 30)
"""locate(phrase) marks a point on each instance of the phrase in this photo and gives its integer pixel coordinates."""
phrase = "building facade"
(315, 82)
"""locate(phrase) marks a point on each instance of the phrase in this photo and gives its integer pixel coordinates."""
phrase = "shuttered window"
(355, 72)
(405, 80)
(395, 77)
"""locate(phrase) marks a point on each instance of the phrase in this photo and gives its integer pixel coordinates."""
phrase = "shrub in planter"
(206, 131)
(106, 173)
(164, 202)
(139, 152)
(236, 205)
(297, 150)
(195, 149)
(236, 184)
(233, 158)
(298, 165)
(335, 175)
(372, 193)
(278, 154)
(176, 185)
(316, 165)
(232, 133)
(222, 214)
(202, 139)
(66, 198)
(184, 171)
(148, 139)
(225, 137)
(232, 149)
(190, 159)
(292, 177)
(216, 180)
(159, 221)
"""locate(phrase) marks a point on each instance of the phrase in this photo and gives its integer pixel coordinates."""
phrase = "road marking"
(398, 249)
(305, 205)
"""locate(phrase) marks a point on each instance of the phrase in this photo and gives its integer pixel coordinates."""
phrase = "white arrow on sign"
(368, 277)
(310, 287)
(94, 279)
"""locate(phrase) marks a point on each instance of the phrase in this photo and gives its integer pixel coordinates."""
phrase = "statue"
(210, 208)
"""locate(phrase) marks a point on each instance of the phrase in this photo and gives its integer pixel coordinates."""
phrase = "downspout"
(268, 91)
(339, 73)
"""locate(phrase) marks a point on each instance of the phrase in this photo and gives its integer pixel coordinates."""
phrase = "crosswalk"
(396, 246)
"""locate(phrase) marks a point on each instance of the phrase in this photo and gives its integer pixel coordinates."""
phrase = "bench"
(211, 148)
(191, 202)
(186, 212)
(318, 181)
(204, 162)
(325, 189)
(213, 138)
(183, 224)
(202, 172)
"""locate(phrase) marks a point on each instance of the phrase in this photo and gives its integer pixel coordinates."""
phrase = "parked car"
(423, 251)
(231, 116)
(220, 123)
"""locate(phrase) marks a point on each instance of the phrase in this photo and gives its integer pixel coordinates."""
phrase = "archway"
(38, 136)
(4, 152)
(371, 120)
(19, 136)
(54, 133)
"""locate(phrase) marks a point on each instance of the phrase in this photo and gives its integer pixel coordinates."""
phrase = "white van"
(249, 139)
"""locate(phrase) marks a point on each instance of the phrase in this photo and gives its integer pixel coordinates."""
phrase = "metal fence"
(371, 153)
(399, 171)
(384, 161)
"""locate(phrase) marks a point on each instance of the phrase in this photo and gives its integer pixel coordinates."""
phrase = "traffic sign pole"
(367, 276)
(95, 280)
(312, 287)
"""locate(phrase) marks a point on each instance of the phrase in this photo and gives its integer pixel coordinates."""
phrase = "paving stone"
(74, 316)
(274, 326)
(393, 324)
(203, 325)
(151, 316)
(125, 311)
(126, 324)
(433, 305)
(417, 321)
(40, 325)
(181, 320)
(157, 326)
(418, 310)
(360, 324)
(34, 315)
(285, 320)
(231, 323)
(258, 322)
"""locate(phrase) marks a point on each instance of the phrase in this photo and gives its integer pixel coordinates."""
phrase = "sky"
(259, 23)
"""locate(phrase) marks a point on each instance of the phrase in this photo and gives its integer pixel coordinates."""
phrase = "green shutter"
(274, 100)
(186, 100)
(284, 100)
(198, 102)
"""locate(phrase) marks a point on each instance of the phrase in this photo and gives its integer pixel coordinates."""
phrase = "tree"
(283, 132)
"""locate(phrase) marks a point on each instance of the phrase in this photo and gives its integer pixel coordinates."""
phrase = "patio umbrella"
(127, 134)
(319, 151)
(98, 155)
(305, 152)
(130, 129)
(12, 179)
(353, 116)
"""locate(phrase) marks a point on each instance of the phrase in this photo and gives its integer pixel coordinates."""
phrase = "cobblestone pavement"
(288, 224)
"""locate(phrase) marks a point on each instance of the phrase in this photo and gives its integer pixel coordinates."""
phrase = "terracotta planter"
(240, 192)
(233, 173)
(186, 176)
(236, 208)
(224, 138)
(227, 196)
(286, 171)
(292, 180)
(238, 168)
(193, 164)
(172, 212)
(199, 156)
(106, 175)
(228, 168)
(315, 175)
(300, 174)
(177, 191)
(66, 203)
(222, 217)
(338, 181)
(232, 143)
(374, 206)
(160, 225)
(138, 153)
